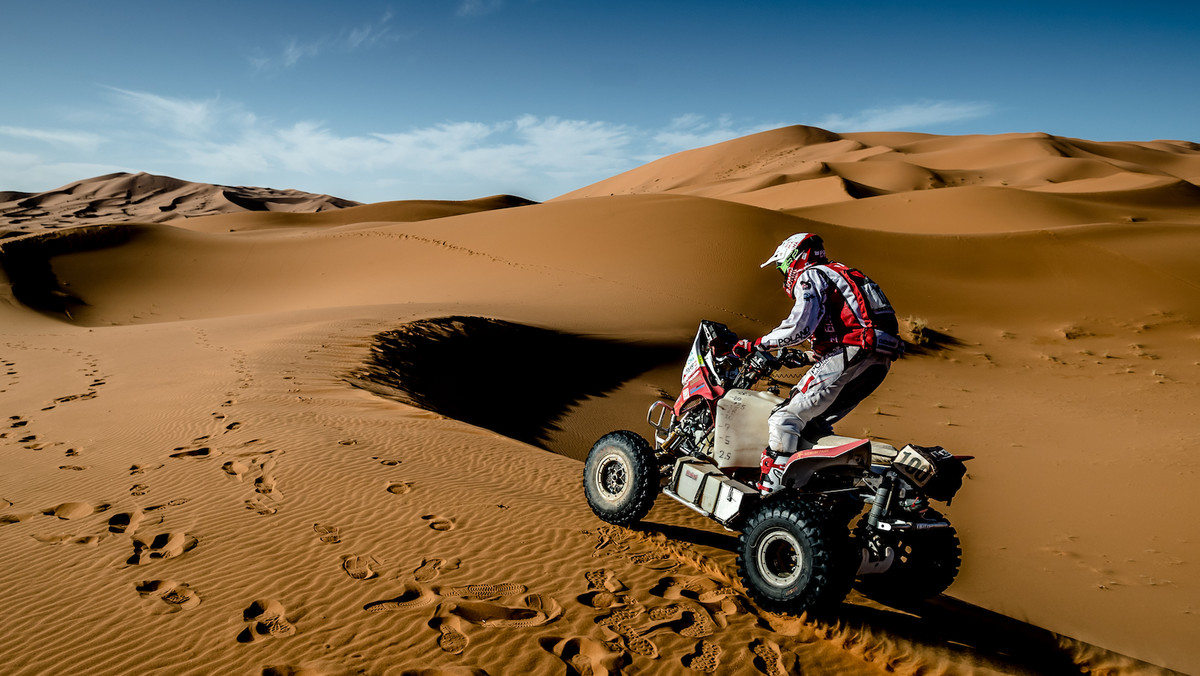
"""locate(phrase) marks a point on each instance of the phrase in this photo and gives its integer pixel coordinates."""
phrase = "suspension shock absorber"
(883, 495)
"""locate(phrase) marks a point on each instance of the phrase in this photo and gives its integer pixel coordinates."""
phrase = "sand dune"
(146, 198)
(754, 169)
(350, 441)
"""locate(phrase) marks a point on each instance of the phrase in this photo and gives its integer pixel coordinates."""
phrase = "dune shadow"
(513, 379)
(27, 262)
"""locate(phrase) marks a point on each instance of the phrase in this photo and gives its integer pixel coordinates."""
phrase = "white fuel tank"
(741, 429)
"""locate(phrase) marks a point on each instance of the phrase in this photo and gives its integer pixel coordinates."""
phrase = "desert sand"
(295, 435)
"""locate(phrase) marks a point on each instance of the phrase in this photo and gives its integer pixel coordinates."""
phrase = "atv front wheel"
(621, 478)
(926, 563)
(794, 559)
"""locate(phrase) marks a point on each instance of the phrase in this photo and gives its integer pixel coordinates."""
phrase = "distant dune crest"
(147, 198)
(924, 180)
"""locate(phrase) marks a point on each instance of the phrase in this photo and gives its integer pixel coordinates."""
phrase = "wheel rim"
(780, 558)
(612, 476)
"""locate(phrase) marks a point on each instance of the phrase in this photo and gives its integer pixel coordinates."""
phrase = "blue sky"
(456, 99)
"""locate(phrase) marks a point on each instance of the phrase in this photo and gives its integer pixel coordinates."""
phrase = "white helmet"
(796, 253)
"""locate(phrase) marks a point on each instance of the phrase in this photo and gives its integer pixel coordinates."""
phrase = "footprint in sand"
(450, 632)
(617, 541)
(265, 618)
(359, 567)
(696, 587)
(619, 626)
(203, 452)
(61, 538)
(259, 506)
(399, 487)
(390, 462)
(125, 522)
(531, 610)
(712, 601)
(414, 595)
(442, 523)
(689, 620)
(431, 568)
(587, 657)
(161, 546)
(330, 535)
(235, 469)
(265, 484)
(768, 658)
(75, 510)
(706, 660)
(168, 596)
(602, 590)
(73, 468)
(484, 592)
(138, 490)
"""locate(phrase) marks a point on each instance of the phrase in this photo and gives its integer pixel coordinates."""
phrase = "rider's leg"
(809, 399)
(865, 379)
(826, 394)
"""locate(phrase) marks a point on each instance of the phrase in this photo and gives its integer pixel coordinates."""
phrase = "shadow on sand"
(943, 623)
(513, 379)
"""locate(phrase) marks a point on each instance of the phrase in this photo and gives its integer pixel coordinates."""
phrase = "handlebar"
(761, 363)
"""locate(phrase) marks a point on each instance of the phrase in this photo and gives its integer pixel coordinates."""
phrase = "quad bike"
(797, 551)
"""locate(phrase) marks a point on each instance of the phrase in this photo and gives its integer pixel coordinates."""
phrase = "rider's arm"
(805, 316)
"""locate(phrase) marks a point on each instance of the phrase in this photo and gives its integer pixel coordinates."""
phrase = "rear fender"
(852, 457)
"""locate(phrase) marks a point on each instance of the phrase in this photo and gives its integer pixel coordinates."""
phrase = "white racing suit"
(853, 331)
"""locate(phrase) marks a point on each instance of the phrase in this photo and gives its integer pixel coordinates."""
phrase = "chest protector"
(856, 313)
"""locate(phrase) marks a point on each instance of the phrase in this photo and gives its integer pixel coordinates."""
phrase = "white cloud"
(183, 116)
(85, 141)
(533, 156)
(479, 7)
(538, 157)
(370, 34)
(29, 172)
(906, 116)
(364, 36)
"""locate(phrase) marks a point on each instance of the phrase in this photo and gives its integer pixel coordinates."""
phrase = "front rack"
(661, 431)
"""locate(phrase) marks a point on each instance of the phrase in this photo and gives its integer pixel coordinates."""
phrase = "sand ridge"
(147, 198)
(188, 470)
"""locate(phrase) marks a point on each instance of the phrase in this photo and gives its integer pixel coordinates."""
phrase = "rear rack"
(661, 431)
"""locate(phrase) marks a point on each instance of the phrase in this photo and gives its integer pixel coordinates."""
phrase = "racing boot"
(773, 464)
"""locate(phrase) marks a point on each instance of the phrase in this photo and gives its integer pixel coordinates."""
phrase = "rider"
(854, 336)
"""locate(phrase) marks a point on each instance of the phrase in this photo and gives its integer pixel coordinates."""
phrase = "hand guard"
(744, 347)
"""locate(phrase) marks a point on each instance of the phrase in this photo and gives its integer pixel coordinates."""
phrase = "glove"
(744, 347)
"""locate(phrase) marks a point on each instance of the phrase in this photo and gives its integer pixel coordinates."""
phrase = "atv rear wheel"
(621, 478)
(926, 563)
(793, 559)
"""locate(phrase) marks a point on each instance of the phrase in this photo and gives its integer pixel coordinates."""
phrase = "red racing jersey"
(837, 305)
